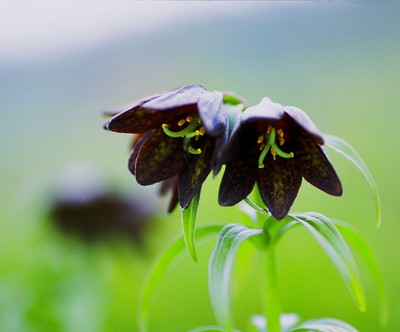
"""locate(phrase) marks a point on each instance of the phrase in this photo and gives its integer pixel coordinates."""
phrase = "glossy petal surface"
(317, 169)
(194, 174)
(278, 183)
(160, 157)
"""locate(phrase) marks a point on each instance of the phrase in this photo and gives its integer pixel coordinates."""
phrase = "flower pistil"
(194, 129)
(267, 142)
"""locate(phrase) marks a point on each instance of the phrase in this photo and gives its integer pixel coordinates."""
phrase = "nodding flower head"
(178, 135)
(275, 147)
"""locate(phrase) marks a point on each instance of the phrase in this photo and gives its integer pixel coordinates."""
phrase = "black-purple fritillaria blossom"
(178, 135)
(275, 147)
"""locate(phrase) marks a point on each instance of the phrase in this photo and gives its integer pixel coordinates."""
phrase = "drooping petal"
(195, 173)
(152, 112)
(160, 157)
(126, 121)
(212, 114)
(304, 121)
(241, 158)
(316, 167)
(238, 181)
(278, 183)
(170, 185)
(188, 95)
(136, 145)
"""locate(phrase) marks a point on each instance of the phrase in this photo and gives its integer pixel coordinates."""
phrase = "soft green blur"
(339, 62)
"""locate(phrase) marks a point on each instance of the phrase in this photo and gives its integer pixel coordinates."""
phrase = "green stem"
(271, 294)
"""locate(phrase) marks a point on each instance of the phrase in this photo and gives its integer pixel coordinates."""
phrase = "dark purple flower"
(275, 147)
(179, 133)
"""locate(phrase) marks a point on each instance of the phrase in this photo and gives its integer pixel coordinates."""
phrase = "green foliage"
(333, 243)
(324, 325)
(170, 255)
(361, 245)
(351, 154)
(221, 267)
(189, 216)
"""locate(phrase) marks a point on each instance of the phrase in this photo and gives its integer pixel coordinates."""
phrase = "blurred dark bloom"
(274, 147)
(179, 133)
(100, 215)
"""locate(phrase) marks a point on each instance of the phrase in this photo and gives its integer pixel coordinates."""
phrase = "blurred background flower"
(62, 64)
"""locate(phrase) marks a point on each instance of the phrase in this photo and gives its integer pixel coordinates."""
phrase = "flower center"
(267, 142)
(194, 129)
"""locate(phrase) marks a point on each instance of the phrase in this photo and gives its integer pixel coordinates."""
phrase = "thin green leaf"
(362, 246)
(189, 225)
(324, 325)
(220, 270)
(288, 321)
(351, 154)
(207, 329)
(330, 239)
(171, 254)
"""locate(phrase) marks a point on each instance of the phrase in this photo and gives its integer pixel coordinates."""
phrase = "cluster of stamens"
(267, 142)
(194, 129)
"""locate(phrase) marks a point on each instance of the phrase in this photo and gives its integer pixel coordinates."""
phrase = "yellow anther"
(281, 141)
(260, 139)
(189, 118)
(273, 153)
(269, 129)
(280, 132)
(181, 122)
(262, 146)
(202, 131)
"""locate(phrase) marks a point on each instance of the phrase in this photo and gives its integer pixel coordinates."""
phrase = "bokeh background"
(62, 64)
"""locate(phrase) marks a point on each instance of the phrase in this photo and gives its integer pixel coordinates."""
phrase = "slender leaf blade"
(367, 254)
(189, 216)
(171, 254)
(351, 154)
(333, 243)
(324, 325)
(207, 329)
(220, 270)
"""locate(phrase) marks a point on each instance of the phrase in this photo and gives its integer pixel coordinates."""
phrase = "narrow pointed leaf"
(324, 325)
(189, 225)
(361, 245)
(171, 254)
(288, 321)
(207, 329)
(333, 243)
(221, 267)
(351, 154)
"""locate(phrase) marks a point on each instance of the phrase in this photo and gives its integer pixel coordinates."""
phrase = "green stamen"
(194, 151)
(182, 133)
(263, 154)
(271, 145)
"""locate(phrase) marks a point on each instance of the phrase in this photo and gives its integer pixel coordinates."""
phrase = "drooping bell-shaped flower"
(178, 135)
(275, 147)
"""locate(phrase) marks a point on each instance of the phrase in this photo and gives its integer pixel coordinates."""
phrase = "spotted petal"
(237, 183)
(278, 183)
(137, 144)
(152, 112)
(160, 157)
(316, 167)
(195, 173)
